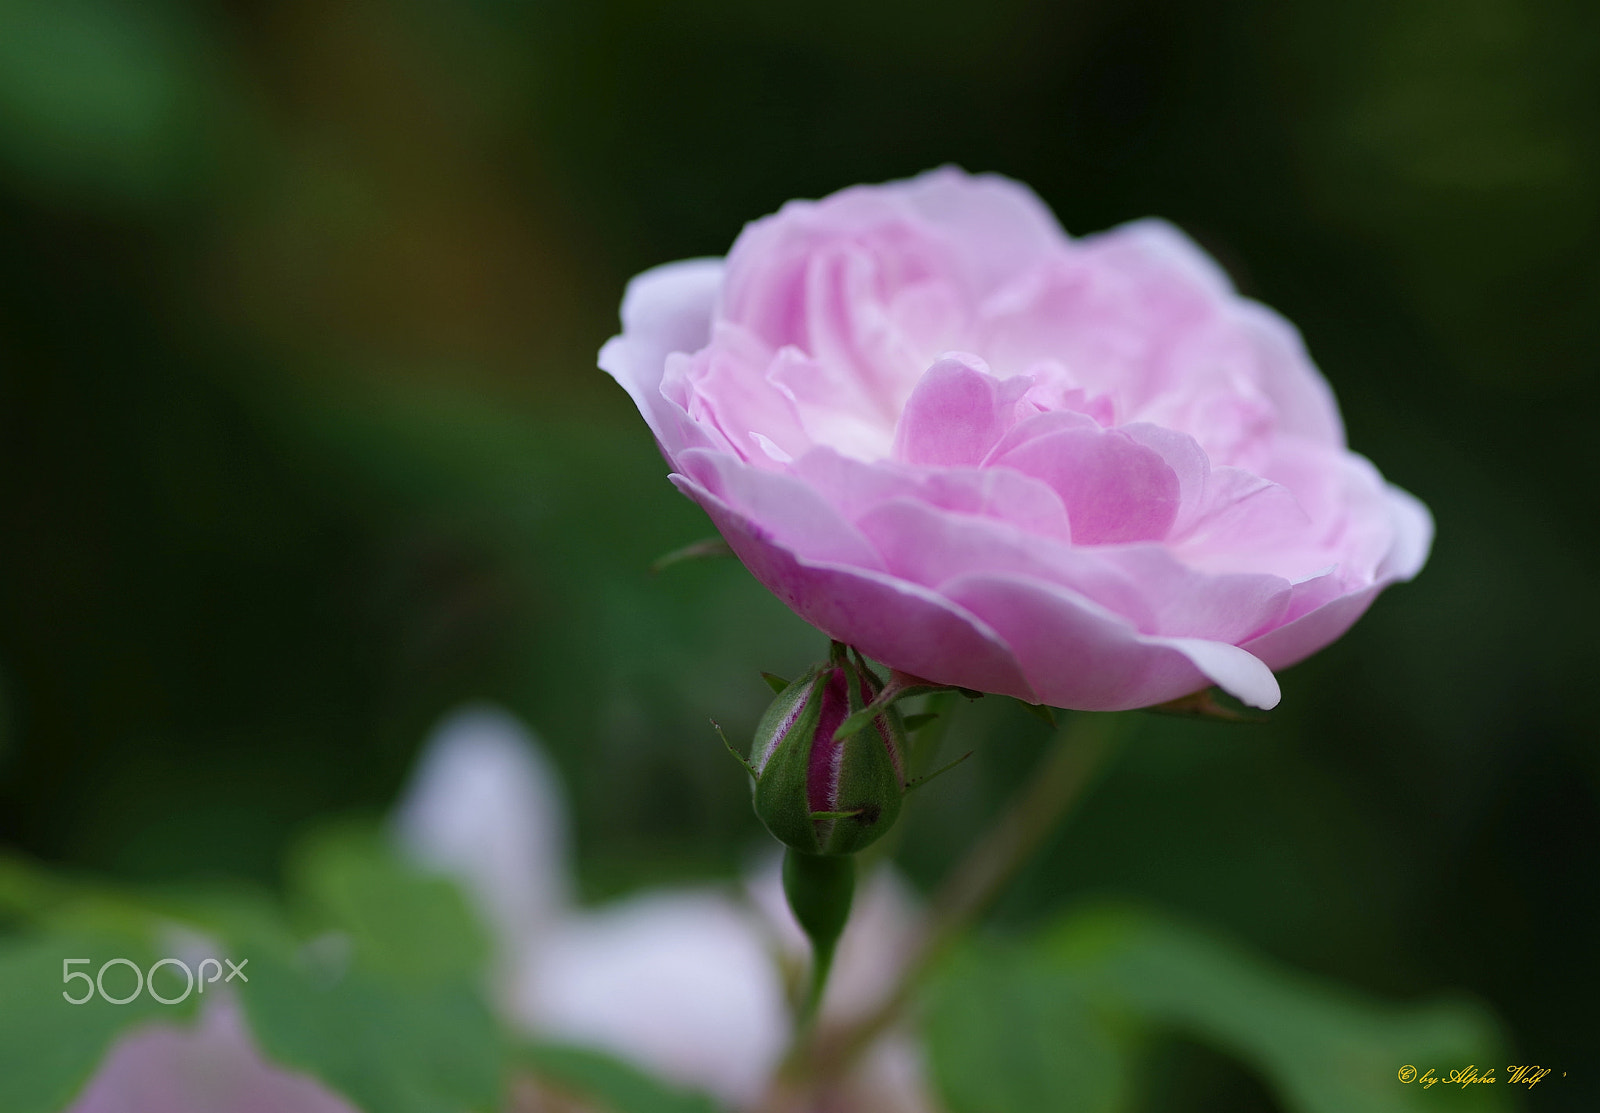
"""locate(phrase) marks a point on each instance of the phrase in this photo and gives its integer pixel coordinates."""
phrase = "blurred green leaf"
(1320, 1048)
(96, 97)
(48, 1046)
(401, 923)
(1051, 1024)
(25, 890)
(617, 1086)
(390, 1048)
(1009, 1033)
(386, 1004)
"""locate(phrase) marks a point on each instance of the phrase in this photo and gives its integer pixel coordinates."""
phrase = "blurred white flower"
(686, 982)
(485, 806)
(679, 981)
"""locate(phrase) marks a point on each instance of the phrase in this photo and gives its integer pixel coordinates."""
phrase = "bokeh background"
(302, 443)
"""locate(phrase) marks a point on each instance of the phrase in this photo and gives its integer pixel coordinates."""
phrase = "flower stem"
(819, 890)
(1037, 809)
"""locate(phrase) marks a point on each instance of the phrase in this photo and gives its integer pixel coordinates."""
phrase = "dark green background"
(303, 442)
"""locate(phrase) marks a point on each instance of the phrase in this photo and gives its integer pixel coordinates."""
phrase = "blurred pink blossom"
(211, 1067)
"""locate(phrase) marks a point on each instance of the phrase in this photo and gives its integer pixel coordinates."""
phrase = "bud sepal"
(819, 790)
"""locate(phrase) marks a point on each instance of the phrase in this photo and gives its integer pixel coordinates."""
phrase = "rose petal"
(666, 309)
(718, 390)
(1248, 524)
(1310, 631)
(1189, 602)
(1301, 397)
(855, 487)
(485, 804)
(1186, 459)
(887, 618)
(832, 405)
(1081, 656)
(1413, 536)
(928, 546)
(1115, 489)
(999, 226)
(957, 413)
(790, 513)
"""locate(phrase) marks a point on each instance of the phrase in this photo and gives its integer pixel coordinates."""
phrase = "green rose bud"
(817, 793)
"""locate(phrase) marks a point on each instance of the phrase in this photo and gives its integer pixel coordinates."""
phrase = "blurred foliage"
(1058, 1023)
(304, 444)
(370, 977)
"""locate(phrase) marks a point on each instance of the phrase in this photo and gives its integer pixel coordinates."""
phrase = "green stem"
(1037, 809)
(819, 889)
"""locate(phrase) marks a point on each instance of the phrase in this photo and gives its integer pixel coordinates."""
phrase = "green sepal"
(737, 756)
(885, 698)
(782, 799)
(698, 550)
(1040, 711)
(775, 682)
(918, 782)
(871, 784)
(921, 719)
(1205, 704)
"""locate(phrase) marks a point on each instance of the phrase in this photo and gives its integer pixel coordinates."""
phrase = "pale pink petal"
(922, 544)
(717, 391)
(957, 413)
(1310, 630)
(1248, 524)
(1413, 536)
(211, 1067)
(1041, 425)
(667, 309)
(791, 514)
(855, 488)
(1114, 489)
(999, 226)
(1303, 400)
(1083, 656)
(887, 618)
(1236, 671)
(834, 408)
(1190, 603)
(1187, 460)
(1294, 641)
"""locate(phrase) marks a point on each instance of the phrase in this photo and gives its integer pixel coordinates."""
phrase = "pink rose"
(1083, 472)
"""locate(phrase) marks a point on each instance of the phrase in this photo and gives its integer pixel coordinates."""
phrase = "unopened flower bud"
(824, 795)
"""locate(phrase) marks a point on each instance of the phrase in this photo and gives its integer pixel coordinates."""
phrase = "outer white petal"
(1413, 536)
(666, 309)
(485, 806)
(680, 982)
(1239, 673)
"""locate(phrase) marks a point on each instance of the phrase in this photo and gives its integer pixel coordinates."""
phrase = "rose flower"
(1081, 472)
